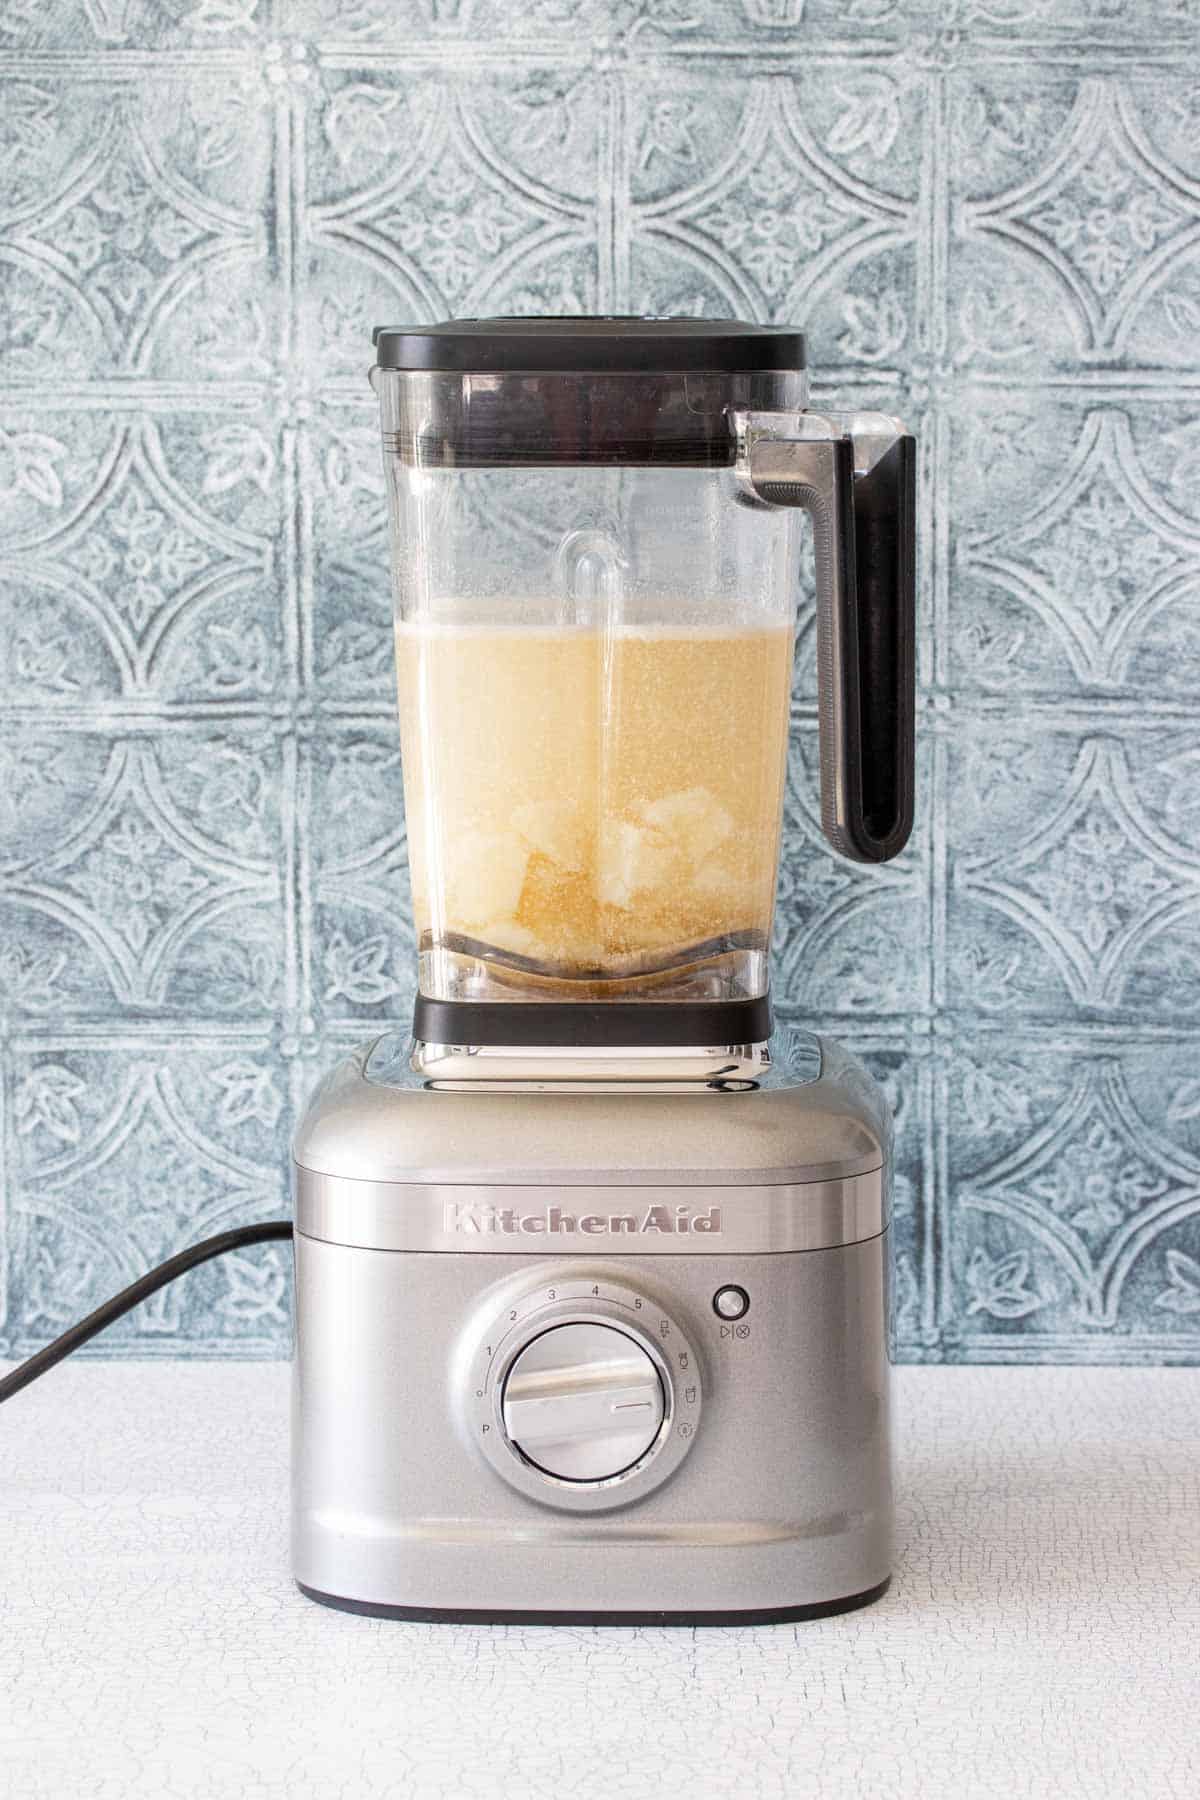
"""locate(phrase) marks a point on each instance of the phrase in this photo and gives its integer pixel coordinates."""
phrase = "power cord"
(133, 1295)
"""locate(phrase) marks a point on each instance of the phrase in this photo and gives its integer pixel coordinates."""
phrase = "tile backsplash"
(987, 215)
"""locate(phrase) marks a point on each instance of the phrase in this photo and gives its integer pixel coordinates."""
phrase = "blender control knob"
(583, 1401)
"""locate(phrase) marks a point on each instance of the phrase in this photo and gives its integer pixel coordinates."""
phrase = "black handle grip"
(864, 529)
(879, 631)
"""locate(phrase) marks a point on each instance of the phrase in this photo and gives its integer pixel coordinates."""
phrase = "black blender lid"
(608, 345)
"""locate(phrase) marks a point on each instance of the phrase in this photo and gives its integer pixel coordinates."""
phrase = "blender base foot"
(438, 1615)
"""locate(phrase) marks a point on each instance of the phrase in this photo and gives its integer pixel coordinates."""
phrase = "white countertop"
(1042, 1636)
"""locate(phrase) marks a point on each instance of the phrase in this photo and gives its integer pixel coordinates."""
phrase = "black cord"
(133, 1295)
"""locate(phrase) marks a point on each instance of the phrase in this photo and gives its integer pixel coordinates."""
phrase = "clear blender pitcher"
(596, 544)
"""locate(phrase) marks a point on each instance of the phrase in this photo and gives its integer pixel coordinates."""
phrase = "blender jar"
(595, 550)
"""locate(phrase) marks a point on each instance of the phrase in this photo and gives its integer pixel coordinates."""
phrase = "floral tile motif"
(129, 216)
(1072, 199)
(1083, 1216)
(153, 545)
(154, 881)
(1090, 577)
(858, 129)
(747, 211)
(635, 25)
(1091, 900)
(484, 203)
(118, 1157)
(89, 26)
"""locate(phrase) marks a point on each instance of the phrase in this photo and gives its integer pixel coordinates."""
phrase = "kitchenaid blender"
(590, 1310)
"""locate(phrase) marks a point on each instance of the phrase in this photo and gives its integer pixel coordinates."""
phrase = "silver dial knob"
(583, 1401)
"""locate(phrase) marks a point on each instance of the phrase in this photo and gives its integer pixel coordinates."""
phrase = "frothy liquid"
(588, 803)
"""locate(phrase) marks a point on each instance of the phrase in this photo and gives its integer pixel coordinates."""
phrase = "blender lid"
(609, 344)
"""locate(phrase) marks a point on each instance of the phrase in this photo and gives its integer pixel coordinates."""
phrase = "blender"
(591, 1267)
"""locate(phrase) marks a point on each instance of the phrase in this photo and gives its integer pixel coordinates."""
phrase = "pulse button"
(731, 1302)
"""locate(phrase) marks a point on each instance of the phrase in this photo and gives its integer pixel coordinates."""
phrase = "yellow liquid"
(593, 804)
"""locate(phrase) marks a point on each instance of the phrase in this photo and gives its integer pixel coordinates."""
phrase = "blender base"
(433, 1615)
(488, 1273)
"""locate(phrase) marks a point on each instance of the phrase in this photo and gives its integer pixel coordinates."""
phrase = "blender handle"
(863, 531)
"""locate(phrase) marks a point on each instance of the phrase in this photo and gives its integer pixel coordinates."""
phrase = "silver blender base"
(774, 1504)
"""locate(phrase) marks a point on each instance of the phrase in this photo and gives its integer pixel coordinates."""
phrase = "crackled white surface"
(1042, 1637)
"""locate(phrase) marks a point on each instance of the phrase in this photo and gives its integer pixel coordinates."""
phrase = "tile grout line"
(7, 1171)
(812, 51)
(933, 264)
(135, 1034)
(1048, 717)
(605, 215)
(302, 739)
(289, 599)
(931, 1086)
(1044, 715)
(619, 121)
(880, 1031)
(937, 1168)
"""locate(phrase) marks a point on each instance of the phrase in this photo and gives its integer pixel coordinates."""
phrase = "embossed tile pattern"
(987, 216)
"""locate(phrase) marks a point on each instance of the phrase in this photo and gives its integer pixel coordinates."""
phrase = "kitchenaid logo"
(479, 1221)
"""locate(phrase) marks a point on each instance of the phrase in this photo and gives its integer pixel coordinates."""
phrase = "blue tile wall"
(986, 212)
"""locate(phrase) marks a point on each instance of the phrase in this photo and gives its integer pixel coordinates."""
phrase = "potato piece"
(633, 860)
(693, 821)
(555, 830)
(485, 872)
(505, 934)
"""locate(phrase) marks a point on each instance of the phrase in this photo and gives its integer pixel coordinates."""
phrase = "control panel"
(583, 1401)
(585, 1393)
